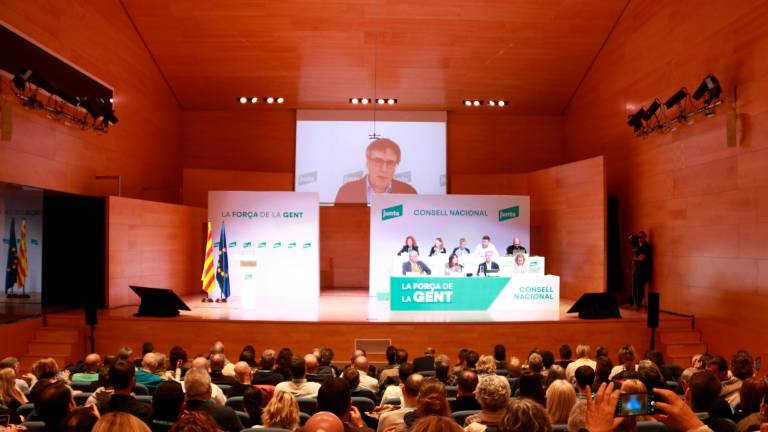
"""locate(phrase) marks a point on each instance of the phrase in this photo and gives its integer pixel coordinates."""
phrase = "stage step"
(683, 362)
(65, 320)
(686, 350)
(671, 337)
(53, 334)
(681, 323)
(62, 338)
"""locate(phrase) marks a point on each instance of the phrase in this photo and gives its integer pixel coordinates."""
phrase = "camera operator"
(641, 260)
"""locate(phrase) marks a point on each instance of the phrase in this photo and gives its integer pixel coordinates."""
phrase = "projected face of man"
(485, 242)
(488, 257)
(414, 256)
(516, 241)
(381, 166)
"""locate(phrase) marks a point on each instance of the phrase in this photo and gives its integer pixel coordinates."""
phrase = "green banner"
(444, 293)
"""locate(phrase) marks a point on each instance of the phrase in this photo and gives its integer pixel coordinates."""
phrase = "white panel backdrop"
(447, 216)
(18, 205)
(273, 244)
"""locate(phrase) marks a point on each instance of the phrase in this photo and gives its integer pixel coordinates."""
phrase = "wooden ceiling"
(429, 54)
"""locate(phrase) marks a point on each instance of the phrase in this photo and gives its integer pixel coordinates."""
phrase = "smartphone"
(636, 404)
(5, 419)
(758, 360)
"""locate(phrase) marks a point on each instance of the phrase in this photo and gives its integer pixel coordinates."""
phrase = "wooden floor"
(344, 322)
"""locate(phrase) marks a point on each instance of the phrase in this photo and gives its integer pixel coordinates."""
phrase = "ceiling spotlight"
(711, 87)
(254, 100)
(243, 99)
(391, 101)
(492, 102)
(636, 120)
(652, 109)
(20, 80)
(364, 101)
(468, 103)
(354, 101)
(111, 100)
(270, 100)
(380, 101)
(280, 100)
(676, 98)
(476, 103)
(502, 103)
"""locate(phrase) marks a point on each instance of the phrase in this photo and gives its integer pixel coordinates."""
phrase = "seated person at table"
(453, 266)
(410, 245)
(462, 248)
(520, 266)
(413, 265)
(487, 265)
(438, 248)
(485, 246)
(516, 248)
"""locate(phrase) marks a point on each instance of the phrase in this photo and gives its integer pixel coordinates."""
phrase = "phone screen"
(636, 404)
(5, 419)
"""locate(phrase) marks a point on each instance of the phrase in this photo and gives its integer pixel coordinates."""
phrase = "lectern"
(158, 302)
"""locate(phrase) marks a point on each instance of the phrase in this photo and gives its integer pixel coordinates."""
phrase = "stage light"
(652, 108)
(21, 79)
(254, 100)
(476, 103)
(242, 99)
(492, 102)
(710, 87)
(636, 120)
(502, 103)
(270, 100)
(391, 101)
(468, 103)
(111, 100)
(380, 101)
(364, 101)
(354, 101)
(280, 100)
(676, 98)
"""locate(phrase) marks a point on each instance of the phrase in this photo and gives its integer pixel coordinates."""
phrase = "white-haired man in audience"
(583, 353)
(147, 374)
(243, 377)
(217, 395)
(229, 367)
(369, 382)
(90, 371)
(197, 385)
(298, 386)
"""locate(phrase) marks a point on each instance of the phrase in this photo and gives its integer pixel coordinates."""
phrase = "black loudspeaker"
(653, 310)
(158, 302)
(596, 306)
(90, 314)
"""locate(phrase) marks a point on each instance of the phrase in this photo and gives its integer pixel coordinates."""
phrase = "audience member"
(146, 374)
(10, 395)
(530, 387)
(216, 369)
(195, 421)
(553, 374)
(410, 389)
(698, 364)
(125, 353)
(535, 364)
(443, 370)
(369, 382)
(461, 361)
(298, 386)
(603, 367)
(90, 371)
(334, 396)
(178, 360)
(431, 401)
(281, 411)
(267, 375)
(391, 355)
(492, 394)
(730, 383)
(548, 359)
(82, 419)
(426, 362)
(324, 421)
(525, 415)
(326, 366)
(577, 418)
(500, 355)
(486, 365)
(472, 359)
(583, 353)
(434, 423)
(197, 386)
(584, 376)
(104, 390)
(465, 398)
(565, 356)
(514, 367)
(46, 371)
(283, 363)
(627, 361)
(751, 395)
(601, 351)
(167, 405)
(120, 421)
(53, 403)
(248, 355)
(23, 382)
(122, 377)
(352, 376)
(253, 402)
(701, 395)
(650, 375)
(561, 397)
(243, 378)
(667, 371)
(217, 394)
(396, 391)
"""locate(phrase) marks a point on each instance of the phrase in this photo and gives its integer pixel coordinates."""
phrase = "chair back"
(34, 426)
(560, 427)
(26, 410)
(307, 405)
(225, 388)
(451, 391)
(245, 419)
(144, 398)
(650, 426)
(236, 403)
(461, 416)
(140, 389)
(303, 417)
(364, 404)
(83, 386)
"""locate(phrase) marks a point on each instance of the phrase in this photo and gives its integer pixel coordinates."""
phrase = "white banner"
(18, 205)
(272, 244)
(450, 217)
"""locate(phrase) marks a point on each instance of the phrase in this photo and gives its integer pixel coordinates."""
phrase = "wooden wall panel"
(496, 143)
(143, 147)
(197, 182)
(488, 184)
(568, 209)
(153, 244)
(703, 203)
(345, 239)
(16, 337)
(240, 140)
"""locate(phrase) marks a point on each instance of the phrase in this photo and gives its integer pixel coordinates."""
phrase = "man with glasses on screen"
(381, 159)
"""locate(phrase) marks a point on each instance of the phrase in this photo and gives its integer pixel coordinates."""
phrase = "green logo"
(247, 245)
(392, 212)
(291, 245)
(233, 244)
(262, 245)
(35, 242)
(307, 245)
(248, 277)
(509, 213)
(276, 245)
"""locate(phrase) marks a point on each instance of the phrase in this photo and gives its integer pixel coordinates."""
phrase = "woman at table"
(438, 248)
(410, 245)
(519, 266)
(452, 267)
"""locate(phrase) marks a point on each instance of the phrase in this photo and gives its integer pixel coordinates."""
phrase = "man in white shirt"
(583, 353)
(410, 391)
(298, 386)
(486, 246)
(367, 381)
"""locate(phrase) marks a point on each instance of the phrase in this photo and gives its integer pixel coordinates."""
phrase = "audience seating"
(225, 388)
(34, 426)
(363, 404)
(392, 401)
(651, 426)
(560, 427)
(451, 391)
(307, 405)
(461, 416)
(236, 403)
(83, 386)
(140, 389)
(245, 419)
(303, 417)
(502, 372)
(80, 398)
(144, 398)
(26, 410)
(427, 374)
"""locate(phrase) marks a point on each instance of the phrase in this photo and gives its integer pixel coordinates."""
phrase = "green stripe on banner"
(444, 293)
